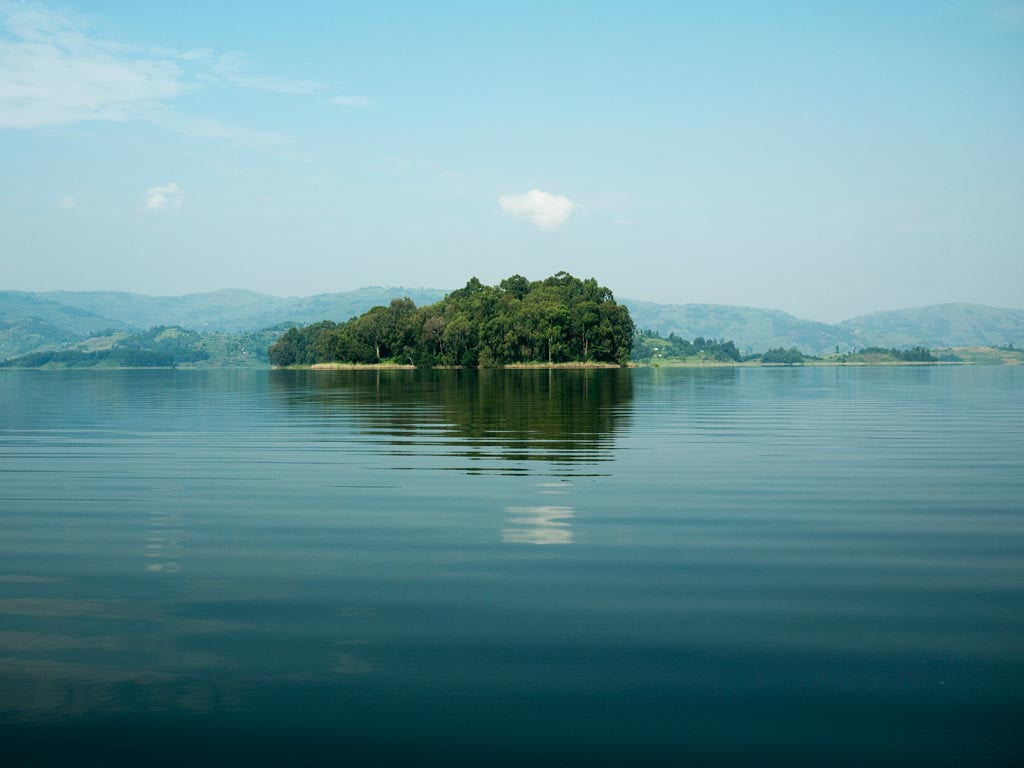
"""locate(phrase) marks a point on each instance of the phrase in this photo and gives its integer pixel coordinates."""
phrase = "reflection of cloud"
(554, 489)
(163, 544)
(538, 525)
(347, 664)
(65, 657)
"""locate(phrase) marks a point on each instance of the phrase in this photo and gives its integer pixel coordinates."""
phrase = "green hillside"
(27, 334)
(159, 347)
(63, 318)
(754, 330)
(940, 325)
(233, 310)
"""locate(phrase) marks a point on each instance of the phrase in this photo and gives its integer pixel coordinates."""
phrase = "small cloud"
(165, 198)
(67, 202)
(545, 210)
(353, 101)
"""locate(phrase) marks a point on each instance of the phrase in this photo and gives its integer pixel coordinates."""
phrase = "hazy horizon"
(829, 161)
(449, 289)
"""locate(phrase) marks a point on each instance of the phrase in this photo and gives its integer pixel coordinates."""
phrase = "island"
(559, 321)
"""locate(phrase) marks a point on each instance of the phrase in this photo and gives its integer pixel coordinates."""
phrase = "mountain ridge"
(39, 320)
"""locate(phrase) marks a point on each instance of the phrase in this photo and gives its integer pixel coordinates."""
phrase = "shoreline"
(529, 366)
(613, 366)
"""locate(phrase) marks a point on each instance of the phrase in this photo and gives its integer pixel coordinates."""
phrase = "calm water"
(815, 566)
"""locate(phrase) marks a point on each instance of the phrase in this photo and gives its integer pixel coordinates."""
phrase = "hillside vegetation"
(558, 320)
(650, 348)
(940, 325)
(233, 310)
(159, 347)
(753, 330)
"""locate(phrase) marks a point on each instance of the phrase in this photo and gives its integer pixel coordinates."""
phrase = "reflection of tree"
(560, 416)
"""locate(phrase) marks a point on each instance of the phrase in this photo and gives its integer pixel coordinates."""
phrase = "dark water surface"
(816, 566)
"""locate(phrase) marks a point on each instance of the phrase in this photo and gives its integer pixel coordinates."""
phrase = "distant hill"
(26, 334)
(62, 316)
(234, 310)
(939, 325)
(753, 330)
(158, 347)
(31, 322)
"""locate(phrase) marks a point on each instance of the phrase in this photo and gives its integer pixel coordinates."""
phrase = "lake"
(720, 566)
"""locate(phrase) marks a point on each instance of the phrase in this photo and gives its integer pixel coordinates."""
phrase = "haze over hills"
(752, 329)
(37, 321)
(234, 310)
(940, 325)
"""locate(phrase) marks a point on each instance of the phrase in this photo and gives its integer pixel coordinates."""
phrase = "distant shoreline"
(1004, 362)
(809, 364)
(601, 366)
(392, 366)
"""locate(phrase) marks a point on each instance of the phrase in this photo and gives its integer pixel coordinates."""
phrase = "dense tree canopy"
(782, 356)
(560, 319)
(913, 355)
(648, 346)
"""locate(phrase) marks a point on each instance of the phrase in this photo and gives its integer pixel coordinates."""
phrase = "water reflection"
(538, 525)
(163, 544)
(836, 550)
(499, 421)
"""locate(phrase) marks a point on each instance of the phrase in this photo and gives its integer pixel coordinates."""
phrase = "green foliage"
(912, 355)
(791, 356)
(917, 354)
(560, 319)
(650, 347)
(159, 347)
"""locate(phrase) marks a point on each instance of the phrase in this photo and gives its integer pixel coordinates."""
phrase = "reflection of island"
(499, 420)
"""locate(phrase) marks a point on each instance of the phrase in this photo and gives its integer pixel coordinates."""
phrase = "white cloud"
(353, 101)
(543, 209)
(67, 202)
(54, 72)
(165, 198)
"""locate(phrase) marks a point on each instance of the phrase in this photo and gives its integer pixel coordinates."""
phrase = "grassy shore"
(397, 367)
(806, 363)
(353, 367)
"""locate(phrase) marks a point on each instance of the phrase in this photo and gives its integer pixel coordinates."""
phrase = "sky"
(828, 159)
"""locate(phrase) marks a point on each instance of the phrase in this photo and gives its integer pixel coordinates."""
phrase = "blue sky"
(828, 159)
